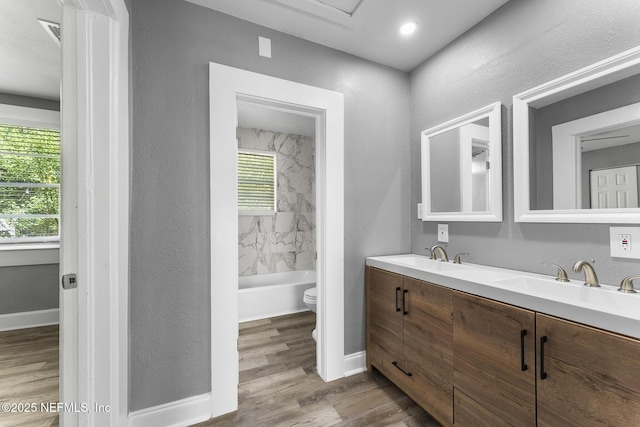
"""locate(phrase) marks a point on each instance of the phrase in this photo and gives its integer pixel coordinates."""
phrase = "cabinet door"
(494, 359)
(586, 377)
(428, 344)
(384, 300)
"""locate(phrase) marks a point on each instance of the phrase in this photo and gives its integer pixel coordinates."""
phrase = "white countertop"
(602, 307)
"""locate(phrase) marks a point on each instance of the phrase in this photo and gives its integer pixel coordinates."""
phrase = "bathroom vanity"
(483, 346)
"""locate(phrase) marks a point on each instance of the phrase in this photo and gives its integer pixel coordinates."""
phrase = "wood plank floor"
(29, 374)
(280, 387)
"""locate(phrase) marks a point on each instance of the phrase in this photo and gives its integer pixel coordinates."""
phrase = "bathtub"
(274, 294)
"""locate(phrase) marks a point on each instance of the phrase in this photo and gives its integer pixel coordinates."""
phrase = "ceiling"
(365, 28)
(30, 56)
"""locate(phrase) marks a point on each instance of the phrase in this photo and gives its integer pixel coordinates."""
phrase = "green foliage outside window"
(29, 182)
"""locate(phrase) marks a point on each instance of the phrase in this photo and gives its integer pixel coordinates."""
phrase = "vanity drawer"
(429, 391)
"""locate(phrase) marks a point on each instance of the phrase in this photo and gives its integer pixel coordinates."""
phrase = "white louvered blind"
(256, 182)
(29, 183)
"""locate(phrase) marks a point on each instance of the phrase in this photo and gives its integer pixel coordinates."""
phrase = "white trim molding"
(17, 254)
(94, 241)
(355, 363)
(29, 319)
(184, 412)
(227, 87)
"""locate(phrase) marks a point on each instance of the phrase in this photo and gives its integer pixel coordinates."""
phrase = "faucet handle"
(562, 274)
(456, 259)
(626, 285)
(432, 254)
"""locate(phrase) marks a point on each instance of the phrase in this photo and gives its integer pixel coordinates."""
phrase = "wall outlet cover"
(625, 242)
(419, 210)
(443, 233)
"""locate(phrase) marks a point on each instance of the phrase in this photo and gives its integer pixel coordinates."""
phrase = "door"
(586, 377)
(614, 188)
(493, 361)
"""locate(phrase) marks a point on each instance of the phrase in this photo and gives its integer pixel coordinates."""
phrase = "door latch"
(69, 281)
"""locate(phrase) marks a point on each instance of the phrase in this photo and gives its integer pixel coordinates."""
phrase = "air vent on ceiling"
(349, 7)
(53, 29)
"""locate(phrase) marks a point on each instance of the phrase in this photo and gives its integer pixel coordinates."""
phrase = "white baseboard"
(29, 319)
(355, 363)
(180, 413)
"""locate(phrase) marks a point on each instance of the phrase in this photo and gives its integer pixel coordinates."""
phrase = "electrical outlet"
(419, 210)
(443, 233)
(625, 242)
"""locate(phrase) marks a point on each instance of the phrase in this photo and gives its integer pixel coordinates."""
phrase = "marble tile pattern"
(286, 241)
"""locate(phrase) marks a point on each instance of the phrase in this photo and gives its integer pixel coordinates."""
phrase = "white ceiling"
(250, 117)
(366, 28)
(30, 57)
(371, 32)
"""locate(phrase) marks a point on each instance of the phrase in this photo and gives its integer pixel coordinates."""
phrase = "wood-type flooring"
(279, 385)
(28, 376)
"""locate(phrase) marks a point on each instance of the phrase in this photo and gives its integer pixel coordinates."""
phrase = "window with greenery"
(256, 182)
(29, 183)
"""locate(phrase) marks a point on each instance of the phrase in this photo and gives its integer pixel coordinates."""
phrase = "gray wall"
(521, 45)
(173, 42)
(32, 287)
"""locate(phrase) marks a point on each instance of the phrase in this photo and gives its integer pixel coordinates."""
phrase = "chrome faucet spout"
(440, 250)
(589, 273)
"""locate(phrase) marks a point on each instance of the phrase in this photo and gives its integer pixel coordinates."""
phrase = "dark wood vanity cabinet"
(494, 363)
(471, 361)
(409, 338)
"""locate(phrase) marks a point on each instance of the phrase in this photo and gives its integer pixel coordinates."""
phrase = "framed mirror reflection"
(462, 168)
(577, 145)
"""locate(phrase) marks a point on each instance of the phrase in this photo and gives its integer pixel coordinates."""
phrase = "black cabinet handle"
(404, 302)
(397, 307)
(409, 374)
(543, 374)
(523, 365)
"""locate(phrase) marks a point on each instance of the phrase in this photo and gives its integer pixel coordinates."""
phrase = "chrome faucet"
(627, 284)
(562, 274)
(589, 273)
(441, 251)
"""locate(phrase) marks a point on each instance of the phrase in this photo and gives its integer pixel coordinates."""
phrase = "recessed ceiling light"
(408, 28)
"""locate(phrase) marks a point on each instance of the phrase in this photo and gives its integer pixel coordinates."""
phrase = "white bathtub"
(268, 295)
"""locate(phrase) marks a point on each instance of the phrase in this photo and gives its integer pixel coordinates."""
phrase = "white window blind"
(256, 182)
(29, 183)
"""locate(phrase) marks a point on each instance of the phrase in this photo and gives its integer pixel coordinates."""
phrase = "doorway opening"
(229, 87)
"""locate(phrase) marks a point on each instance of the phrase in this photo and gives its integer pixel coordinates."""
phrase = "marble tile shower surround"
(286, 241)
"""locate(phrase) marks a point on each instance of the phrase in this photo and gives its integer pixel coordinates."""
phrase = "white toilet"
(309, 299)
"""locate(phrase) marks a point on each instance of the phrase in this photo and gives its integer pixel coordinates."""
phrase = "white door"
(614, 188)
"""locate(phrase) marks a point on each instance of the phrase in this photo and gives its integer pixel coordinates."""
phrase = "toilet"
(309, 299)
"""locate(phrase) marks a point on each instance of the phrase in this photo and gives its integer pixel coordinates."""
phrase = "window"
(256, 182)
(29, 175)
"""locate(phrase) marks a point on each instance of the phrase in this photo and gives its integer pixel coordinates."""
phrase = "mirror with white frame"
(462, 168)
(577, 145)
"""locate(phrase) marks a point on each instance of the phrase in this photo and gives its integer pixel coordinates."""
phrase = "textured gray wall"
(173, 42)
(28, 288)
(523, 44)
(32, 287)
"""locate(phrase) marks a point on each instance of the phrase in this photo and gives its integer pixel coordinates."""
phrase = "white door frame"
(94, 240)
(227, 85)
